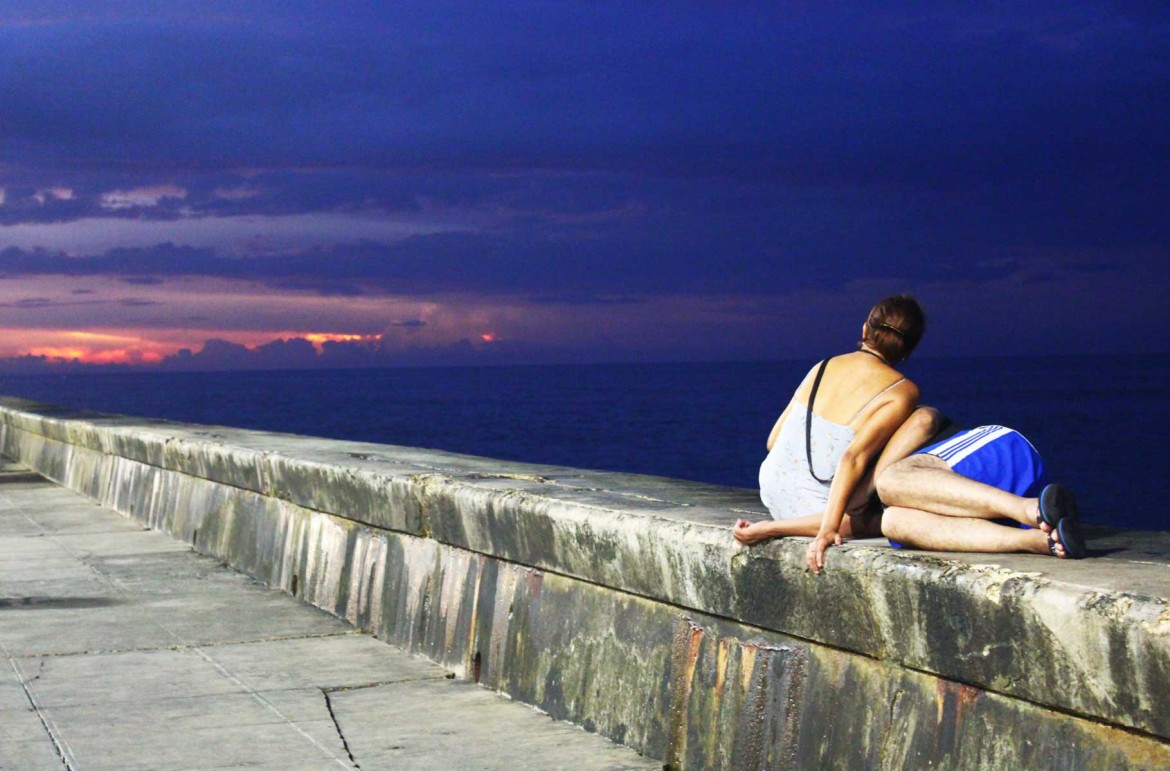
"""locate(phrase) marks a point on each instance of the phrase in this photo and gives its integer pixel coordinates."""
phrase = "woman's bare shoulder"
(909, 389)
(802, 390)
(903, 392)
(899, 397)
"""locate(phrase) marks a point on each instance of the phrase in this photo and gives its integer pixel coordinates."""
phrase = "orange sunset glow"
(92, 356)
(319, 338)
(128, 347)
(87, 347)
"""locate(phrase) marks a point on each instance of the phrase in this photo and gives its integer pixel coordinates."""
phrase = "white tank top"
(786, 487)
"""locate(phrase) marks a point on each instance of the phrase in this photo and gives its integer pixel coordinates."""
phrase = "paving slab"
(29, 756)
(124, 649)
(402, 725)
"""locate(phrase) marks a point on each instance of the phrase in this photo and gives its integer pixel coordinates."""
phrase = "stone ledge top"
(1090, 637)
(1127, 561)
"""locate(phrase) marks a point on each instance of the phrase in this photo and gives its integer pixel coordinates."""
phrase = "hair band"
(893, 329)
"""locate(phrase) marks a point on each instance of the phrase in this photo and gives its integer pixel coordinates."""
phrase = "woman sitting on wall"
(852, 416)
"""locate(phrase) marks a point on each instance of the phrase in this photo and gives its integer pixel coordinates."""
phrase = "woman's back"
(854, 386)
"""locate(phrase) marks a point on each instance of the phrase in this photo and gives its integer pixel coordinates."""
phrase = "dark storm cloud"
(137, 266)
(34, 205)
(583, 299)
(311, 281)
(31, 302)
(583, 257)
(41, 303)
(547, 266)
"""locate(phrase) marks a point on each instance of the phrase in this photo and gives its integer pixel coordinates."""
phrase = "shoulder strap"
(808, 423)
(876, 396)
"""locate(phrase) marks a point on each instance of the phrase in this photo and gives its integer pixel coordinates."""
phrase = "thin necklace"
(876, 355)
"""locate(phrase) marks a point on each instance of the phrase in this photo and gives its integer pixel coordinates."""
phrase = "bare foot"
(1034, 509)
(1055, 547)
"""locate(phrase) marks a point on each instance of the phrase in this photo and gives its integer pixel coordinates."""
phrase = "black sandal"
(1056, 504)
(1071, 539)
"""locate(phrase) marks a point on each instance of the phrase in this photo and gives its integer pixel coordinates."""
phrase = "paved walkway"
(124, 649)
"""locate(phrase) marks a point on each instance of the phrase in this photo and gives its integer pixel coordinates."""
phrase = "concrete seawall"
(621, 603)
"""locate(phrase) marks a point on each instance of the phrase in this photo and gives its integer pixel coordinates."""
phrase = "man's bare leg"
(934, 532)
(927, 483)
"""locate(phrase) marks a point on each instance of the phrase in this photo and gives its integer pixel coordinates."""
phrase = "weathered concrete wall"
(621, 602)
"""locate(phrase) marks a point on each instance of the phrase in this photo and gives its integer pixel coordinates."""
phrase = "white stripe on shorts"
(954, 450)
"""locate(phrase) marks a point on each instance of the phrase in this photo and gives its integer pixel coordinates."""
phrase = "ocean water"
(1099, 422)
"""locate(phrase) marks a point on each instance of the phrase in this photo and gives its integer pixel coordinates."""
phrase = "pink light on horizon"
(318, 339)
(139, 347)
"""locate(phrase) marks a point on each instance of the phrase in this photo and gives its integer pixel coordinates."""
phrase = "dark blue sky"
(455, 182)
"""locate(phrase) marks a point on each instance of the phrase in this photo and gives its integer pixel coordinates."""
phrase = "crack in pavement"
(337, 725)
(380, 683)
(60, 746)
(327, 693)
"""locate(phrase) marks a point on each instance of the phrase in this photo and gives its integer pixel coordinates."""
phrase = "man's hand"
(816, 550)
(748, 533)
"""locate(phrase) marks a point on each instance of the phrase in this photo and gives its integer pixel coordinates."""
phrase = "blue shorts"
(995, 456)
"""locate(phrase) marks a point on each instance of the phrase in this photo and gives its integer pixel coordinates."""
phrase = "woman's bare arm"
(868, 441)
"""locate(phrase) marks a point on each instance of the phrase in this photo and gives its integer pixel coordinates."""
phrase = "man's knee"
(898, 483)
(891, 481)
